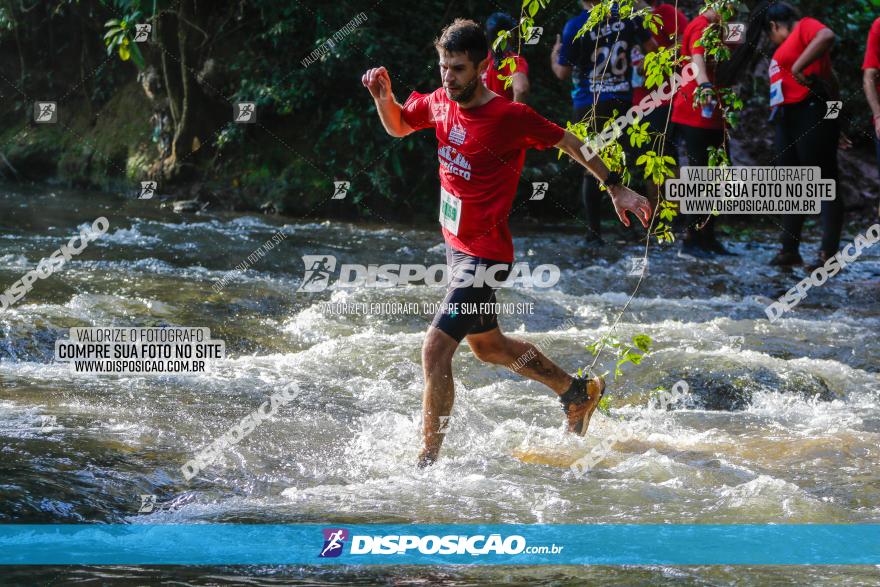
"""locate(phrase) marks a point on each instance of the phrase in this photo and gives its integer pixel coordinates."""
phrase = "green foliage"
(625, 352)
(718, 157)
(632, 352)
(667, 210)
(638, 134)
(657, 166)
(661, 64)
(120, 36)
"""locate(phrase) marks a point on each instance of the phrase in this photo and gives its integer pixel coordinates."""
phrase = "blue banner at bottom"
(418, 544)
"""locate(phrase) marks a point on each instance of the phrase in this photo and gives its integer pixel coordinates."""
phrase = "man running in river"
(482, 141)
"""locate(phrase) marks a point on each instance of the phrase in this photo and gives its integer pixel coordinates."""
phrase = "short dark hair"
(464, 36)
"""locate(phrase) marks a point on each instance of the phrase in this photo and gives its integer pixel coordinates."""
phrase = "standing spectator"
(701, 126)
(871, 65)
(599, 64)
(668, 33)
(801, 82)
(519, 88)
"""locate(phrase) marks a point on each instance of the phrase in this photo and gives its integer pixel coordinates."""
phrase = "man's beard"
(467, 92)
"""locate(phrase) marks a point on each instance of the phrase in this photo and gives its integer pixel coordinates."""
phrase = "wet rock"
(734, 391)
(189, 206)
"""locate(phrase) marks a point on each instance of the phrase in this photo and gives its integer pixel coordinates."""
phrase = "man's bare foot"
(580, 401)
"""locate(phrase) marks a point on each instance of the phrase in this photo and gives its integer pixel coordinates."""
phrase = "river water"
(781, 424)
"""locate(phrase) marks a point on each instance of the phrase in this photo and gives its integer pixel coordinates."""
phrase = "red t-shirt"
(872, 51)
(784, 89)
(481, 152)
(490, 76)
(674, 22)
(683, 110)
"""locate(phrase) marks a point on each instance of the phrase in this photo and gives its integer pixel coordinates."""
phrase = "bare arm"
(520, 87)
(624, 199)
(869, 81)
(819, 46)
(563, 72)
(700, 62)
(378, 82)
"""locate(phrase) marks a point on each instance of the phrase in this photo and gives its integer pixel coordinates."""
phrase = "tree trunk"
(167, 38)
(185, 95)
(182, 144)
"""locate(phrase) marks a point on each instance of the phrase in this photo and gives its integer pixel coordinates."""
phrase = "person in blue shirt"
(599, 64)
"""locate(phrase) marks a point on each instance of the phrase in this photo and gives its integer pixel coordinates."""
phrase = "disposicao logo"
(334, 540)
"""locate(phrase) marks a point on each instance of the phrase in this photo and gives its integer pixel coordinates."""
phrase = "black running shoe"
(715, 246)
(787, 259)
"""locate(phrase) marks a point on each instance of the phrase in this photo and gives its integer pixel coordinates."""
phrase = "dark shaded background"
(316, 123)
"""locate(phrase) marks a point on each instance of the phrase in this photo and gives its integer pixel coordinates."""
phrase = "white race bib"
(450, 211)
(776, 96)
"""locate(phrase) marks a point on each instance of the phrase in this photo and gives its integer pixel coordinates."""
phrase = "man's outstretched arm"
(378, 82)
(624, 199)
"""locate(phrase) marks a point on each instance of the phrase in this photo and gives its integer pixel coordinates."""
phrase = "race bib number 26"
(450, 211)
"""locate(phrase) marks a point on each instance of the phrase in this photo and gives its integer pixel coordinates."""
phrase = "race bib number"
(450, 211)
(776, 97)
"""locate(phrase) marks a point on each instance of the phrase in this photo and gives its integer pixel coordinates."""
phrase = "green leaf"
(137, 56)
(642, 342)
(605, 405)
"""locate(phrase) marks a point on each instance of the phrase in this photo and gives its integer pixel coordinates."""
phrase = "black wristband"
(613, 178)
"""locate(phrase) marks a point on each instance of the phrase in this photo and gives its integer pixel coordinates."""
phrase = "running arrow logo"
(317, 273)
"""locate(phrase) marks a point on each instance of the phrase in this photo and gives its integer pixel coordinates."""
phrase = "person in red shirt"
(871, 80)
(669, 32)
(801, 85)
(519, 87)
(482, 142)
(701, 126)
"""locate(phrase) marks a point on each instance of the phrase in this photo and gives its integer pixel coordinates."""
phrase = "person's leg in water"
(787, 156)
(820, 150)
(439, 393)
(804, 137)
(579, 396)
(699, 240)
(877, 143)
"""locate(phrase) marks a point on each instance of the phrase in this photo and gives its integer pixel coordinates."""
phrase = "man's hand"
(378, 82)
(625, 200)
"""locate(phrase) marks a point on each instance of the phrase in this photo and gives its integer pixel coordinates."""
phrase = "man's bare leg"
(499, 349)
(524, 358)
(439, 394)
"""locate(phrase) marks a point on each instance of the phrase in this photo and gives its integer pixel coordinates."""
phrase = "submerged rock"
(733, 391)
